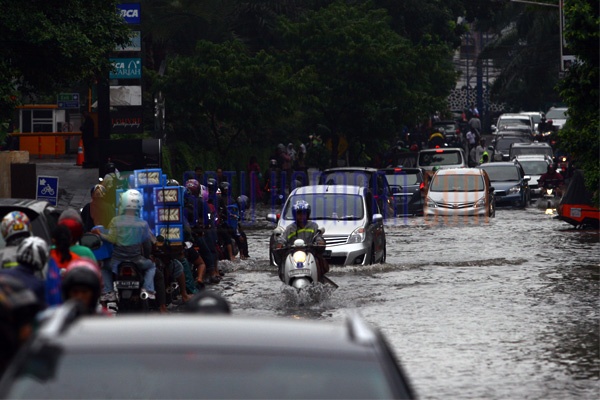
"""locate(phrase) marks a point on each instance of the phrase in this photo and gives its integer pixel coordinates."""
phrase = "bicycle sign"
(47, 189)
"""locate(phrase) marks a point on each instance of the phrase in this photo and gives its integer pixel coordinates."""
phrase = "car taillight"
(278, 216)
(127, 271)
(440, 150)
(396, 170)
(422, 186)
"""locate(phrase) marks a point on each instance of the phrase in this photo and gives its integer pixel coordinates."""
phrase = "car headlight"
(480, 203)
(514, 190)
(430, 203)
(358, 236)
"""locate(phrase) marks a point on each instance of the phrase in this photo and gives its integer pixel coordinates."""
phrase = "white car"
(536, 116)
(354, 231)
(534, 166)
(558, 115)
(505, 120)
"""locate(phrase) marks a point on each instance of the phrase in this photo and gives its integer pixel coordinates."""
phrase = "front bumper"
(349, 254)
(454, 212)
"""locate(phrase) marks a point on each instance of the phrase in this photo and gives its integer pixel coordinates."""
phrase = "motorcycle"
(550, 197)
(299, 265)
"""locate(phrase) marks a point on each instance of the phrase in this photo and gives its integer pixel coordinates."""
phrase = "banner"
(125, 96)
(126, 120)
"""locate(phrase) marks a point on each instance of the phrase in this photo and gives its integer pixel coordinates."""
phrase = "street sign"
(68, 100)
(47, 189)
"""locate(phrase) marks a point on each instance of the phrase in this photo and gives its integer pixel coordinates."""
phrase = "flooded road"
(505, 309)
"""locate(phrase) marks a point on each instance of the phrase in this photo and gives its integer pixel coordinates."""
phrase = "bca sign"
(131, 13)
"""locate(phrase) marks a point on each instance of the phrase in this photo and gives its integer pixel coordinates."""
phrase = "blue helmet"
(301, 205)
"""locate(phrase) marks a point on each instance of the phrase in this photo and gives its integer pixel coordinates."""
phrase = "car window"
(355, 178)
(502, 173)
(200, 374)
(429, 158)
(513, 121)
(329, 206)
(457, 183)
(556, 113)
(534, 167)
(402, 179)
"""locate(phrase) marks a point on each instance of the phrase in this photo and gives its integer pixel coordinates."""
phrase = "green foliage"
(580, 90)
(45, 46)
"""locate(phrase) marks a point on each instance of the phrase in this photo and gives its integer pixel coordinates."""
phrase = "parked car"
(354, 232)
(510, 183)
(558, 115)
(460, 192)
(43, 216)
(542, 148)
(407, 186)
(177, 357)
(534, 166)
(509, 119)
(501, 145)
(369, 178)
(450, 157)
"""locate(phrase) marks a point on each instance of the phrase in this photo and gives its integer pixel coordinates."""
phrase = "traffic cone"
(80, 153)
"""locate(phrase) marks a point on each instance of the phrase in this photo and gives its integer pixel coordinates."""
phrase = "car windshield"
(439, 157)
(502, 173)
(199, 374)
(556, 114)
(354, 178)
(402, 179)
(457, 183)
(517, 151)
(335, 206)
(504, 143)
(532, 167)
(513, 121)
(449, 127)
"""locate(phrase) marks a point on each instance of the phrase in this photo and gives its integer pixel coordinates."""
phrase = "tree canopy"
(45, 46)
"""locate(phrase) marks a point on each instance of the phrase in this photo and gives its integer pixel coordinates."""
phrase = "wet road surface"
(502, 309)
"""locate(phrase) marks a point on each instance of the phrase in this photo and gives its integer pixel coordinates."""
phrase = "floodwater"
(502, 309)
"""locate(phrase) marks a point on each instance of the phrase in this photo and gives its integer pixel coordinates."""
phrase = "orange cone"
(80, 153)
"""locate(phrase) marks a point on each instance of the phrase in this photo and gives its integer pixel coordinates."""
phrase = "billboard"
(131, 13)
(126, 68)
(126, 120)
(125, 96)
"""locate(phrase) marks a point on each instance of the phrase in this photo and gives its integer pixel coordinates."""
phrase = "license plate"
(327, 254)
(303, 271)
(127, 285)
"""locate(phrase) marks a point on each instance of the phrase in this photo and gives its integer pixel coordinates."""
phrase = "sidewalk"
(74, 182)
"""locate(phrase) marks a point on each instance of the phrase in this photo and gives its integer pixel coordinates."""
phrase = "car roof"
(184, 331)
(531, 144)
(322, 189)
(458, 171)
(499, 164)
(532, 157)
(513, 115)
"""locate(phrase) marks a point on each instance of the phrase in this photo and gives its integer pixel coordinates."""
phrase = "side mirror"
(492, 189)
(377, 218)
(272, 218)
(527, 178)
(321, 230)
(493, 128)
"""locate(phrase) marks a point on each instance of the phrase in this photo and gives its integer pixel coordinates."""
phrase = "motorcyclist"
(303, 229)
(32, 256)
(15, 227)
(552, 177)
(231, 220)
(82, 281)
(132, 239)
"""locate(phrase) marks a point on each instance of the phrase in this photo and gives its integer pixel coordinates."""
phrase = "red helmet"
(75, 226)
(193, 186)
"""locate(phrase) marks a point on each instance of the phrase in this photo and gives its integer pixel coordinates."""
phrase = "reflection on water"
(505, 309)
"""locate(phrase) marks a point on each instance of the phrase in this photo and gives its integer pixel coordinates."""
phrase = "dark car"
(511, 185)
(43, 215)
(501, 146)
(450, 128)
(177, 356)
(407, 186)
(371, 178)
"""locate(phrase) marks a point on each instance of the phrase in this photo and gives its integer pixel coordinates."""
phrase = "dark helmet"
(193, 186)
(225, 186)
(551, 168)
(302, 206)
(208, 302)
(82, 272)
(18, 304)
(109, 168)
(211, 184)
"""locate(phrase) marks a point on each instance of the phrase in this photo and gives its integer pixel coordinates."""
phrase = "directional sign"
(68, 100)
(47, 189)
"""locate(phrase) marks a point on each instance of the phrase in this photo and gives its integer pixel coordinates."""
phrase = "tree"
(44, 46)
(580, 90)
(360, 78)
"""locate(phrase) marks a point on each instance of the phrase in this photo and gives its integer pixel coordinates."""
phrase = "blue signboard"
(47, 189)
(68, 100)
(126, 68)
(131, 12)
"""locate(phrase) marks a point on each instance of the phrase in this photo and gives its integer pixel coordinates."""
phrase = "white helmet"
(131, 200)
(33, 251)
(15, 224)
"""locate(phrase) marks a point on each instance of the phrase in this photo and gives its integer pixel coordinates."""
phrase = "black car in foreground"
(406, 185)
(215, 356)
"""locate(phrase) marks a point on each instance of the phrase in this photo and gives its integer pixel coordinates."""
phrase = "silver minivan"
(354, 230)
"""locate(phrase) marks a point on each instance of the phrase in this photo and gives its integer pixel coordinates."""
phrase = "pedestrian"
(87, 136)
(479, 150)
(475, 124)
